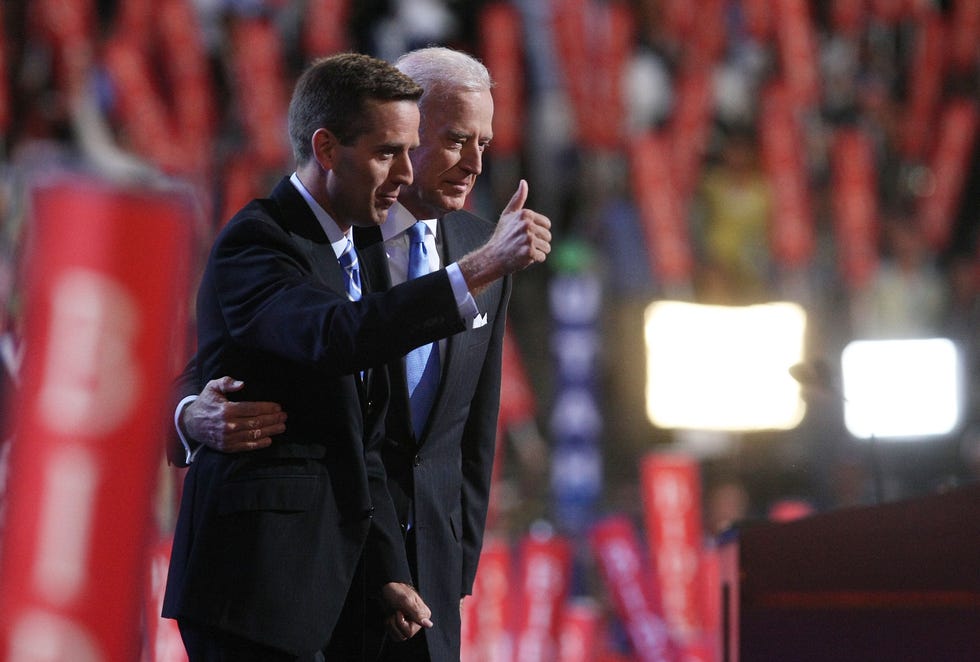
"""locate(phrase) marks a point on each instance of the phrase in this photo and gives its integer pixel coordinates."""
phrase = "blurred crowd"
(195, 90)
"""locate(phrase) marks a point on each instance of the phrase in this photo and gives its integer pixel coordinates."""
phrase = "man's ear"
(324, 145)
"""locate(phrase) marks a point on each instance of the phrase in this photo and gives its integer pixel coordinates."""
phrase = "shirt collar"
(338, 240)
(400, 219)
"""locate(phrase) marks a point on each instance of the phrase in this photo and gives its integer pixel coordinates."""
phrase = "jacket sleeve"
(268, 301)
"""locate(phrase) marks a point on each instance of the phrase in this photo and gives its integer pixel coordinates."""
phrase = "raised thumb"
(518, 199)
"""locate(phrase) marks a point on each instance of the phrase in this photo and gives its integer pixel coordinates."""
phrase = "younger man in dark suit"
(269, 544)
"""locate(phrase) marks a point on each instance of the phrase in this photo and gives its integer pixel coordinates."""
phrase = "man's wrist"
(191, 447)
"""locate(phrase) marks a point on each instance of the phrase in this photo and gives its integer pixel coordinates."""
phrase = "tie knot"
(347, 258)
(417, 232)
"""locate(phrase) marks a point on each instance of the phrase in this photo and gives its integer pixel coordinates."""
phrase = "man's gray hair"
(441, 71)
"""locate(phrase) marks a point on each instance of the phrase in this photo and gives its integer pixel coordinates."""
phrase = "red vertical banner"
(326, 29)
(678, 18)
(925, 86)
(798, 52)
(186, 64)
(161, 641)
(571, 44)
(5, 114)
(889, 11)
(671, 488)
(757, 16)
(106, 276)
(783, 156)
(709, 34)
(855, 204)
(660, 208)
(711, 603)
(500, 34)
(579, 639)
(140, 110)
(70, 26)
(594, 41)
(612, 34)
(487, 617)
(848, 16)
(544, 573)
(964, 43)
(690, 128)
(617, 552)
(259, 86)
(954, 144)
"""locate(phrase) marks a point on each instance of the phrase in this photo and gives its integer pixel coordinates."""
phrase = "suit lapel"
(295, 216)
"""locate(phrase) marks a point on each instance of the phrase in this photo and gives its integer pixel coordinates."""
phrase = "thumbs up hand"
(522, 237)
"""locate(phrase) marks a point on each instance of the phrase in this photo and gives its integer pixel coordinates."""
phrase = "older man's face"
(453, 134)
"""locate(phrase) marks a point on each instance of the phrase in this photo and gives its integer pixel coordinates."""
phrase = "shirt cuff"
(465, 302)
(191, 447)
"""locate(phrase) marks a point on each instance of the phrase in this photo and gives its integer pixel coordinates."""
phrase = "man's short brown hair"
(333, 94)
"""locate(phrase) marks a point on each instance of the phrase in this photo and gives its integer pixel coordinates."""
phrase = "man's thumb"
(229, 385)
(518, 199)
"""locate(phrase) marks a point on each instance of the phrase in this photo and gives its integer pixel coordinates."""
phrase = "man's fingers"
(227, 384)
(518, 199)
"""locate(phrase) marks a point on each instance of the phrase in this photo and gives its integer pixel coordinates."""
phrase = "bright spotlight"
(901, 389)
(724, 367)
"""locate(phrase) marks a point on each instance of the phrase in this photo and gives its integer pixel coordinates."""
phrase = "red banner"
(612, 32)
(579, 631)
(259, 87)
(325, 28)
(186, 65)
(671, 487)
(517, 401)
(5, 114)
(544, 575)
(783, 154)
(957, 135)
(594, 41)
(964, 43)
(757, 16)
(690, 127)
(107, 277)
(855, 204)
(660, 208)
(798, 53)
(709, 34)
(500, 34)
(617, 552)
(162, 641)
(848, 16)
(486, 625)
(925, 86)
(69, 24)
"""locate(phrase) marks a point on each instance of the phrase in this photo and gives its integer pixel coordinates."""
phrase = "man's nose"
(471, 160)
(401, 170)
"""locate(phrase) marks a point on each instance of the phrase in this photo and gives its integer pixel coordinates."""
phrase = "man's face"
(366, 177)
(454, 133)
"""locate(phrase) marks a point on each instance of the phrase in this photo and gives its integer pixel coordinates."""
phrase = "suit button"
(417, 461)
(369, 512)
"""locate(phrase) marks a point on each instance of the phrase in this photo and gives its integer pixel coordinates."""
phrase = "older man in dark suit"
(269, 544)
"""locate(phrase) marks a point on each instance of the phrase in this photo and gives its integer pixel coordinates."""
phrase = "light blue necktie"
(352, 275)
(422, 363)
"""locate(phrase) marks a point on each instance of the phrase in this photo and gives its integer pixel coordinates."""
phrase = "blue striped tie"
(352, 275)
(422, 363)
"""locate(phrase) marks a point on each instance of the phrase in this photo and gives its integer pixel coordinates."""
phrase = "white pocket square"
(480, 320)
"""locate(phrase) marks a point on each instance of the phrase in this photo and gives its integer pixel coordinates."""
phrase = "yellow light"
(724, 367)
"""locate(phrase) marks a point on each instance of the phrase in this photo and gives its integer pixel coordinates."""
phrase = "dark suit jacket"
(267, 542)
(446, 473)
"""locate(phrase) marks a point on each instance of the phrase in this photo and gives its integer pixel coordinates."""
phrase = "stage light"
(901, 389)
(724, 367)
